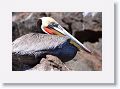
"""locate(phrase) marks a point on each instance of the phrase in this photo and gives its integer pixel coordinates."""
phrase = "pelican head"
(50, 26)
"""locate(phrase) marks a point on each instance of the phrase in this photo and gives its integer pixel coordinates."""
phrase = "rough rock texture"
(93, 22)
(86, 27)
(50, 63)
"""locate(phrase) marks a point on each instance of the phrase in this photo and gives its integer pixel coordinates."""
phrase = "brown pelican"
(56, 42)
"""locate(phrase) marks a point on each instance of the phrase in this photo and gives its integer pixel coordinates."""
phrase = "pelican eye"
(53, 24)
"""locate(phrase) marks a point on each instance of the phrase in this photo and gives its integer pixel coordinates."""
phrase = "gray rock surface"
(50, 63)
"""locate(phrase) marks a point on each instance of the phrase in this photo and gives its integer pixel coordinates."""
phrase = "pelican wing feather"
(34, 43)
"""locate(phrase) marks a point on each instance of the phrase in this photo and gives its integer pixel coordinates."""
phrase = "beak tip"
(89, 51)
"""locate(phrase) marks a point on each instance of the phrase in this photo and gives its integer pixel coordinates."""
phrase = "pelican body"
(57, 41)
(39, 44)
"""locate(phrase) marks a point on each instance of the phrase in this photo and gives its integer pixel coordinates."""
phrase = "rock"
(85, 62)
(15, 31)
(21, 16)
(93, 22)
(73, 20)
(50, 63)
(95, 47)
(25, 62)
(69, 17)
(76, 26)
(88, 36)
